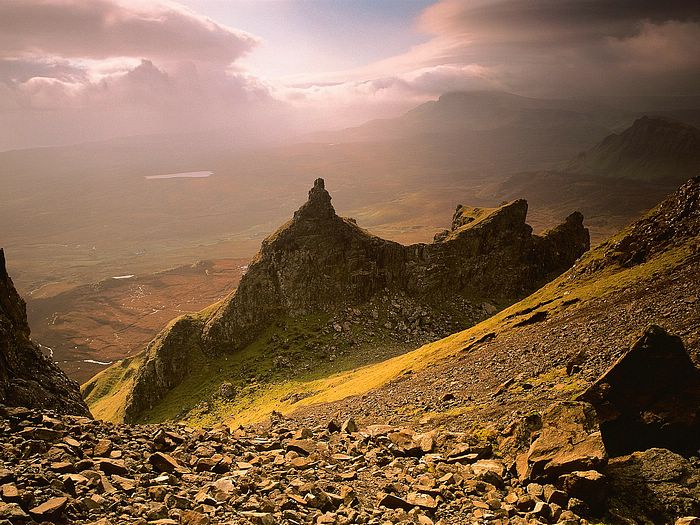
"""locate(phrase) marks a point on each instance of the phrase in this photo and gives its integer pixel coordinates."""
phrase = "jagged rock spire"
(319, 204)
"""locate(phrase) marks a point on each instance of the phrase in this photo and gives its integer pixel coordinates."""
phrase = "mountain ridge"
(652, 149)
(321, 263)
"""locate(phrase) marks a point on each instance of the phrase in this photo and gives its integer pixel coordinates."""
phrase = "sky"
(77, 70)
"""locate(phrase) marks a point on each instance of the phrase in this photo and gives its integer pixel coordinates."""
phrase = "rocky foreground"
(70, 469)
(548, 467)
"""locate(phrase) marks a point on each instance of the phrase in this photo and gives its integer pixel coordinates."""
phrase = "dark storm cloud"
(575, 46)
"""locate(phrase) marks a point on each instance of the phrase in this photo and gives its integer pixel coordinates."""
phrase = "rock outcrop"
(649, 398)
(27, 377)
(320, 262)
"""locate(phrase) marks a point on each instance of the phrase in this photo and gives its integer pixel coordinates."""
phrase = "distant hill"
(653, 149)
(615, 181)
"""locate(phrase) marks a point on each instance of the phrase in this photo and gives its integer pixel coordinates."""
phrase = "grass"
(106, 392)
(361, 380)
(285, 360)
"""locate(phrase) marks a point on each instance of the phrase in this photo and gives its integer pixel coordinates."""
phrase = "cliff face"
(27, 377)
(320, 262)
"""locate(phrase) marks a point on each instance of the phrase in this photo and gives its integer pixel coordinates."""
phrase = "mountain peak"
(318, 206)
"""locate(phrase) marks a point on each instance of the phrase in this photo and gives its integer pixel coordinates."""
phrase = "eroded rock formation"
(320, 262)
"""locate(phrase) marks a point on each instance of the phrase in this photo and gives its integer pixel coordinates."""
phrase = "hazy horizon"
(73, 71)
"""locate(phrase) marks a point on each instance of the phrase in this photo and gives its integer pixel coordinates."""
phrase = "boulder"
(649, 398)
(569, 440)
(590, 486)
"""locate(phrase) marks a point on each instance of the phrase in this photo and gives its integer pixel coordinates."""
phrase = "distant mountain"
(489, 110)
(617, 180)
(653, 149)
(500, 131)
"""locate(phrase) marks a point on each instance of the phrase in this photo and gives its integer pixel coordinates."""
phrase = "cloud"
(99, 29)
(557, 48)
(577, 46)
(120, 67)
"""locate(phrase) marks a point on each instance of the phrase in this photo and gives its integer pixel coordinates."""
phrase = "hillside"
(521, 419)
(516, 361)
(591, 313)
(323, 287)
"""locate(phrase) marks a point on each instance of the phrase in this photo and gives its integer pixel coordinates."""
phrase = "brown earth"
(115, 318)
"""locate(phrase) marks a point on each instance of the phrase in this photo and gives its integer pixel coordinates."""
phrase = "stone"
(10, 493)
(657, 485)
(50, 509)
(570, 440)
(304, 447)
(650, 397)
(112, 466)
(424, 501)
(102, 448)
(13, 513)
(163, 462)
(349, 426)
(590, 487)
(405, 444)
(391, 501)
(191, 517)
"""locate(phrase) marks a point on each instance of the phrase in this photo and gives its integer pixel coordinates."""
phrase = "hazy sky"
(75, 70)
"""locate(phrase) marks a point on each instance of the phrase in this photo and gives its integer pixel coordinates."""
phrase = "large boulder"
(649, 398)
(568, 441)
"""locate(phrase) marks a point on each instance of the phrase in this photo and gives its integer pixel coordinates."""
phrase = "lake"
(183, 175)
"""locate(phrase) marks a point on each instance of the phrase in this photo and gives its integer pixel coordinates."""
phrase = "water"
(93, 361)
(183, 175)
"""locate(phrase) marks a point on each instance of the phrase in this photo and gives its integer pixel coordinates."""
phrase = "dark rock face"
(27, 377)
(320, 262)
(167, 364)
(649, 398)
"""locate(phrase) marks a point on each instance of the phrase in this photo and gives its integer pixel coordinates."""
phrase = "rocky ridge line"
(320, 262)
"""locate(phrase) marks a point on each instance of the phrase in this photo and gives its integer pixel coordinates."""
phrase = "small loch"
(183, 175)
